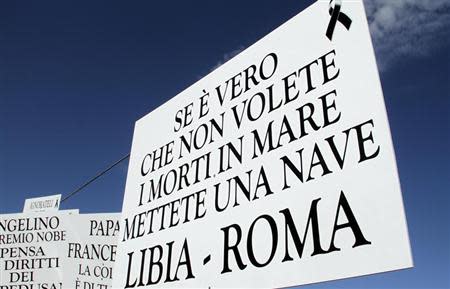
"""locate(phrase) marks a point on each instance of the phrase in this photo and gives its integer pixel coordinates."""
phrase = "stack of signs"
(55, 249)
(276, 169)
(91, 251)
(32, 250)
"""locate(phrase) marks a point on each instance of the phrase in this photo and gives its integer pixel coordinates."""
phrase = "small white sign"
(277, 169)
(71, 211)
(42, 204)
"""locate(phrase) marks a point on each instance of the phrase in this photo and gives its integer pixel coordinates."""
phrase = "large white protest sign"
(32, 250)
(276, 169)
(91, 251)
(42, 204)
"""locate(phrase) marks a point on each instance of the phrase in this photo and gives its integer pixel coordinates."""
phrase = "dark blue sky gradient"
(76, 75)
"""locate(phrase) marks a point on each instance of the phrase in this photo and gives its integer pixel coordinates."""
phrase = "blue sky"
(76, 75)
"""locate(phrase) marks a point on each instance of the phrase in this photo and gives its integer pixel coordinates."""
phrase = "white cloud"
(399, 28)
(227, 56)
(407, 27)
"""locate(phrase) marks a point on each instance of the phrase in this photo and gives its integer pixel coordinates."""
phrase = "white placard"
(42, 204)
(91, 251)
(32, 250)
(275, 170)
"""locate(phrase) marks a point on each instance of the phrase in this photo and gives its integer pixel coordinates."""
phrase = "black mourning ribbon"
(337, 15)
